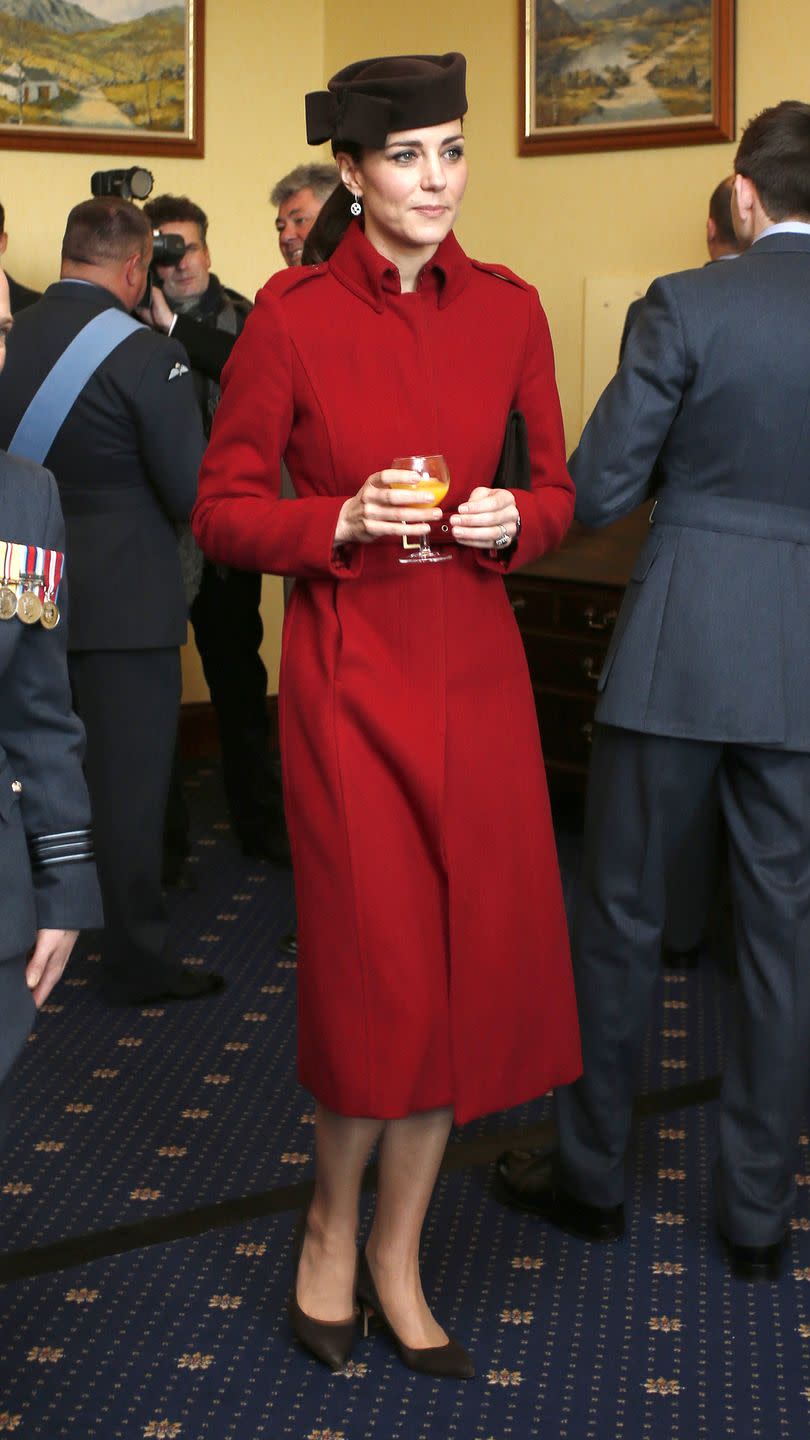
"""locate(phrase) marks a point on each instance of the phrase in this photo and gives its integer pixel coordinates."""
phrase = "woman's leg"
(411, 1152)
(325, 1287)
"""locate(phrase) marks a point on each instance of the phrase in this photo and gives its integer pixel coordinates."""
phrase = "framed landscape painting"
(622, 74)
(102, 75)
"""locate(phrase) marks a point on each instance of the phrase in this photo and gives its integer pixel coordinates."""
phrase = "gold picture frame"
(105, 76)
(625, 74)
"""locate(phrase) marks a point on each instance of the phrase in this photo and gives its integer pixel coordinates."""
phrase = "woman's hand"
(485, 517)
(376, 511)
(47, 961)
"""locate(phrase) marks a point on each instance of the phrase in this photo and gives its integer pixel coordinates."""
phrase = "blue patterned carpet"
(131, 1117)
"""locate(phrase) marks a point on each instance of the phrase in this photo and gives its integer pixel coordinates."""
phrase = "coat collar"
(84, 293)
(367, 273)
(782, 241)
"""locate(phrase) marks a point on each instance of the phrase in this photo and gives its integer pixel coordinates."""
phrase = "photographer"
(109, 407)
(225, 612)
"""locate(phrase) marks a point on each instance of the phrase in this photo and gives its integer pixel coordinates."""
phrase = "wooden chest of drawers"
(566, 605)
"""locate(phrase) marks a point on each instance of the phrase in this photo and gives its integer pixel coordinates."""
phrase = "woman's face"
(411, 190)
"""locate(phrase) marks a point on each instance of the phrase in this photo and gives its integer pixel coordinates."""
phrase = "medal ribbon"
(12, 563)
(18, 559)
(52, 567)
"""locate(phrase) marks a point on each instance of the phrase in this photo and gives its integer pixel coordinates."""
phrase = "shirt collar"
(785, 227)
(368, 274)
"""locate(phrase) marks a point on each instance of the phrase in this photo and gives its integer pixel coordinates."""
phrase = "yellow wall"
(566, 223)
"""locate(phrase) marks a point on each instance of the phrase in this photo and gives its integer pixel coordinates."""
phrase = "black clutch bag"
(514, 470)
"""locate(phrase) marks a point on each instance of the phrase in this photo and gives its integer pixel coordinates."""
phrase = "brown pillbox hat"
(366, 101)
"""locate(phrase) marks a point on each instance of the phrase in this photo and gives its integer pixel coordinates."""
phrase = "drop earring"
(355, 207)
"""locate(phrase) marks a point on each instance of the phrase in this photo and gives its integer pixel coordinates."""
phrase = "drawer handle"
(591, 667)
(587, 731)
(519, 602)
(595, 621)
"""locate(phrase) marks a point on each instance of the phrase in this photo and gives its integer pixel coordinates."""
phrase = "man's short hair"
(102, 231)
(774, 154)
(2, 219)
(165, 209)
(320, 179)
(720, 212)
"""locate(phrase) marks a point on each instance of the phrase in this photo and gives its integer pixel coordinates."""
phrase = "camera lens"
(140, 183)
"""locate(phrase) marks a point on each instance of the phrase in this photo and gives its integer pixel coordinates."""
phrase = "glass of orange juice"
(431, 474)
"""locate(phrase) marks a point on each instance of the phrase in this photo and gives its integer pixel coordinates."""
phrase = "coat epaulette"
(502, 273)
(289, 279)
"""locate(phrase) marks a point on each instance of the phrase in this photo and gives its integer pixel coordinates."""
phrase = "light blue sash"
(62, 386)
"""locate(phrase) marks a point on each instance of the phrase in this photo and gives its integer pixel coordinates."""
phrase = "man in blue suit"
(706, 682)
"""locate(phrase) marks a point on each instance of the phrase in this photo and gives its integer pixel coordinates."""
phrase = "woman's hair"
(335, 216)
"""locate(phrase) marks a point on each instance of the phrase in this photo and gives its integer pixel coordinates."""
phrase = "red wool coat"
(433, 956)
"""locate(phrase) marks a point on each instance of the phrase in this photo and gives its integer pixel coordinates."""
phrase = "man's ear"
(745, 194)
(3, 242)
(133, 272)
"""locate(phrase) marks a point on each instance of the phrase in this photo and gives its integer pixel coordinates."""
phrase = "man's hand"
(158, 313)
(47, 961)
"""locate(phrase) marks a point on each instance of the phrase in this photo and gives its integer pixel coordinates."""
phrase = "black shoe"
(673, 959)
(528, 1182)
(180, 984)
(288, 944)
(755, 1262)
(444, 1362)
(330, 1341)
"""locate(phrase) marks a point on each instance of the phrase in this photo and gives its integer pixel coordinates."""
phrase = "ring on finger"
(503, 538)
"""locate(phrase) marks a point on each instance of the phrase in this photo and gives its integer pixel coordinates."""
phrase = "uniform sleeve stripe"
(58, 854)
(62, 847)
(63, 860)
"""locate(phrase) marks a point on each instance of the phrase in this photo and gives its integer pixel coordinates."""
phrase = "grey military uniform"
(47, 875)
(706, 682)
(126, 461)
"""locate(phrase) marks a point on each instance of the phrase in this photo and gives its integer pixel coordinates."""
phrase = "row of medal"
(29, 583)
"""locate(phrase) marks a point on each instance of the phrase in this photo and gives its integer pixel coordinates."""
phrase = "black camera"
(167, 249)
(136, 184)
(132, 184)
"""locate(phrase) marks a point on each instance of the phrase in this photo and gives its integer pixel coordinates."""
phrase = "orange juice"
(437, 488)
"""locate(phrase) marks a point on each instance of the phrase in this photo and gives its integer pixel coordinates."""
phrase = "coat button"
(16, 786)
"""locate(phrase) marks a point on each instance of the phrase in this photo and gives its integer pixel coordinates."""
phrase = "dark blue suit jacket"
(711, 640)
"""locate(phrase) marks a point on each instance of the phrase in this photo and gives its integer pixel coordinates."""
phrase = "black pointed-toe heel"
(330, 1341)
(449, 1361)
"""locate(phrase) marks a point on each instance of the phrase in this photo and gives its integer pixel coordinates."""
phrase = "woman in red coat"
(434, 976)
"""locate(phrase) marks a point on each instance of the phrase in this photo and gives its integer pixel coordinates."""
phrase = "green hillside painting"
(622, 61)
(101, 68)
(625, 74)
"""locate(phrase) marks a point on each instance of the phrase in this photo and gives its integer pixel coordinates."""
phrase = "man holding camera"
(225, 612)
(109, 407)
